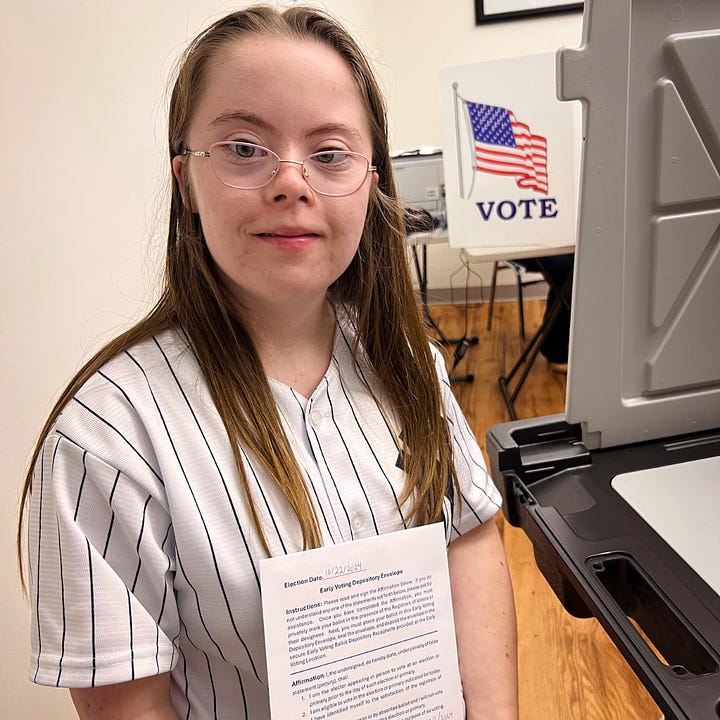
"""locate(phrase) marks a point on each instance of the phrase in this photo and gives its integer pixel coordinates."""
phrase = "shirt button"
(316, 419)
(357, 523)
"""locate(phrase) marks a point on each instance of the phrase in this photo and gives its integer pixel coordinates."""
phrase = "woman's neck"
(294, 342)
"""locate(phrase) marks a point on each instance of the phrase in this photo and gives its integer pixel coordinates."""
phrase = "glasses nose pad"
(299, 164)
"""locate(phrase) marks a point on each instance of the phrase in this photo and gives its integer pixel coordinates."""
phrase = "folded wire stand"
(462, 343)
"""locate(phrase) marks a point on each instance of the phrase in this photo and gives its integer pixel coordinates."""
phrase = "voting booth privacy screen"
(645, 344)
(620, 496)
(510, 154)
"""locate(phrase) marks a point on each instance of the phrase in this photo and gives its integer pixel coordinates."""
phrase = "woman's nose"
(290, 182)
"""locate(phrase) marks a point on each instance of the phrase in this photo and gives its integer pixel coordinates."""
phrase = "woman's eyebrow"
(335, 127)
(257, 121)
(241, 115)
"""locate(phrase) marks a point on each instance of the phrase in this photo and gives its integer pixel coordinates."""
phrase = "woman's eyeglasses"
(246, 166)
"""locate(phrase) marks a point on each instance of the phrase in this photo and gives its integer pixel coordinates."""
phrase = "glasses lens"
(335, 172)
(243, 165)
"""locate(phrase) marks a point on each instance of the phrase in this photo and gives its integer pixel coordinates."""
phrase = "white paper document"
(363, 630)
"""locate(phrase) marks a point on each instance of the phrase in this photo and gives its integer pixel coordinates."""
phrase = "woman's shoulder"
(129, 382)
(152, 359)
(123, 412)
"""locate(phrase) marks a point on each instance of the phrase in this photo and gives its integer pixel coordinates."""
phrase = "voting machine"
(621, 494)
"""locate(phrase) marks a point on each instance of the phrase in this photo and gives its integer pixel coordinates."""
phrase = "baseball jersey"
(143, 555)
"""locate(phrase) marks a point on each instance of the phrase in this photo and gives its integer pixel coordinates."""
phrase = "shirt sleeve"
(101, 565)
(478, 499)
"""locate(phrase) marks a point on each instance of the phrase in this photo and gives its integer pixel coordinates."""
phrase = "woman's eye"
(245, 150)
(330, 157)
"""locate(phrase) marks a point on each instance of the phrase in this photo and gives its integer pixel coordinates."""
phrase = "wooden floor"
(569, 669)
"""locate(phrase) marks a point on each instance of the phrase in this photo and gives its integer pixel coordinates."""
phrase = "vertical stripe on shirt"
(92, 612)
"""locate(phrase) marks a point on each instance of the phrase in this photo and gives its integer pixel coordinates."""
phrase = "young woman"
(282, 395)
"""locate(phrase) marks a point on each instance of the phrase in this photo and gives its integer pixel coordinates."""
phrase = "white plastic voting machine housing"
(621, 494)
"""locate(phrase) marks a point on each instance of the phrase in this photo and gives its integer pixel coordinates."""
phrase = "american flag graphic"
(505, 146)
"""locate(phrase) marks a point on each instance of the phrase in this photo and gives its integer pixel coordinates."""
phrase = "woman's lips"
(289, 232)
(289, 237)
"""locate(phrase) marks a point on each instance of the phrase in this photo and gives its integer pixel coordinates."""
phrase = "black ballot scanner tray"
(602, 559)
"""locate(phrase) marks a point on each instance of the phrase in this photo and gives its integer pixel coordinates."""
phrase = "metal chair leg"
(521, 307)
(492, 295)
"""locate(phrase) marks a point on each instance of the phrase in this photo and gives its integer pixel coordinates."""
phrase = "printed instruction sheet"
(363, 630)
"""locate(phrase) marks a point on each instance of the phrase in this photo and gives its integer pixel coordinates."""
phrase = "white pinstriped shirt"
(143, 557)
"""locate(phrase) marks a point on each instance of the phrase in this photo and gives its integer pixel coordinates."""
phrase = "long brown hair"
(376, 288)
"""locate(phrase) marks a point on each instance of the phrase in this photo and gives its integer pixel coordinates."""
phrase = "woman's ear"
(178, 168)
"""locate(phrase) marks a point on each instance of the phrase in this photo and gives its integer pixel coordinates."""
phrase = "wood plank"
(569, 668)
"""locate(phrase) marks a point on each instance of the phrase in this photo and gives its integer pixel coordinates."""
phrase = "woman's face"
(282, 243)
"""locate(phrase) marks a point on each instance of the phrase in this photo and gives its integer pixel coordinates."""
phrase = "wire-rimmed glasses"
(246, 166)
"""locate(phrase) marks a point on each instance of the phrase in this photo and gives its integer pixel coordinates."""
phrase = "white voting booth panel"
(510, 153)
(645, 343)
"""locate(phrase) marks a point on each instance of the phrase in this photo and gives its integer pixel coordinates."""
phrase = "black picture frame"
(482, 15)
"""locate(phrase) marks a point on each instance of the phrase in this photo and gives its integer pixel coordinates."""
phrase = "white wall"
(82, 195)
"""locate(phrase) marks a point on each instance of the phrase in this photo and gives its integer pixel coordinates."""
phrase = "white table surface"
(495, 253)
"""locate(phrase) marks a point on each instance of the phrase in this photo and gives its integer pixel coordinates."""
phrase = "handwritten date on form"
(363, 630)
